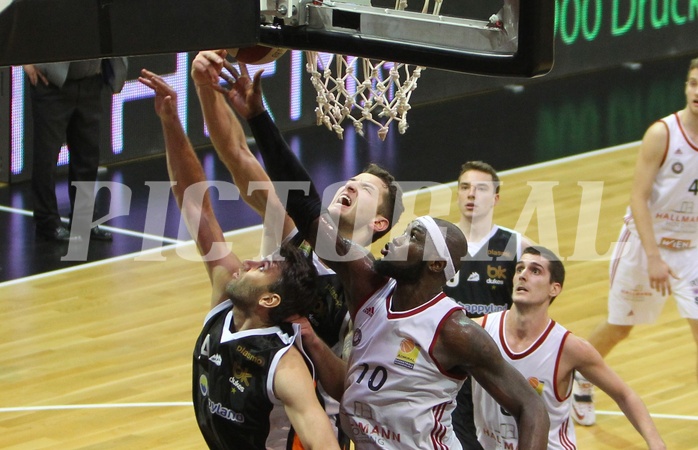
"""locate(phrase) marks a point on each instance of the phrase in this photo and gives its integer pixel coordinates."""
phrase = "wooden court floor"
(99, 357)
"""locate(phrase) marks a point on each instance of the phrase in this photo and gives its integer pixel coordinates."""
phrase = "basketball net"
(379, 91)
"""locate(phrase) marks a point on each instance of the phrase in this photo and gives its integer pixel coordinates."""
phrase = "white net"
(363, 90)
(380, 92)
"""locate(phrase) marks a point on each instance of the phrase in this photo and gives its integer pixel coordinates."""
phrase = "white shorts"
(631, 301)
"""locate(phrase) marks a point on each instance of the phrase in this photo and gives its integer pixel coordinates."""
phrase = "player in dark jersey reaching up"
(366, 206)
(246, 367)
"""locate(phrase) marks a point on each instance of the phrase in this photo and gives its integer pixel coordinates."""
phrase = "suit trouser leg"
(83, 135)
(51, 112)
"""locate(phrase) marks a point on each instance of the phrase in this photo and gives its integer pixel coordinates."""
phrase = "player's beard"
(406, 273)
(241, 293)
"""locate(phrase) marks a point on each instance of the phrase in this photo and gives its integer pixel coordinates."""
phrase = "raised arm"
(293, 385)
(465, 347)
(652, 152)
(184, 169)
(585, 359)
(351, 262)
(230, 142)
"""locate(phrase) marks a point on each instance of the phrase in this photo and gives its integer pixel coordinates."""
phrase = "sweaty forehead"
(371, 179)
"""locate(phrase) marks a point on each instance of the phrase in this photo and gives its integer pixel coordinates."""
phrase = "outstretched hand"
(207, 67)
(244, 94)
(165, 96)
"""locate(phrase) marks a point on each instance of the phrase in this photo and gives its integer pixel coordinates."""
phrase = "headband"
(437, 238)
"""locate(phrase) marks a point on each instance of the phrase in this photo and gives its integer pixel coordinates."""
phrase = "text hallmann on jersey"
(374, 433)
(676, 217)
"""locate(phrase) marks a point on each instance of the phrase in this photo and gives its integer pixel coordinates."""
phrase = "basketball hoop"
(379, 91)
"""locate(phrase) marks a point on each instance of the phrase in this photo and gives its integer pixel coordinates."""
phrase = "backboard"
(515, 40)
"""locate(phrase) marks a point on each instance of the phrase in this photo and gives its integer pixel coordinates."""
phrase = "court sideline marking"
(190, 404)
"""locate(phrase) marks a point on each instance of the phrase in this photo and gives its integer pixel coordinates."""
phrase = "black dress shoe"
(60, 233)
(99, 234)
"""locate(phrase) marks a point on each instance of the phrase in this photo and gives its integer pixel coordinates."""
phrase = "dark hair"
(555, 266)
(481, 166)
(391, 207)
(297, 285)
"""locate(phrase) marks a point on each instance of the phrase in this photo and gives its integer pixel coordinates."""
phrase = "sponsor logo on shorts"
(637, 293)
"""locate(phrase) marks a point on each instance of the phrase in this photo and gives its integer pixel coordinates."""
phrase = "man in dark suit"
(67, 108)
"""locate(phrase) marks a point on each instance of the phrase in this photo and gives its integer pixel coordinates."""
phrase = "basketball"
(258, 54)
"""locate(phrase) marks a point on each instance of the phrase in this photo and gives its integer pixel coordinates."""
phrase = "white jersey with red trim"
(496, 429)
(397, 396)
(674, 191)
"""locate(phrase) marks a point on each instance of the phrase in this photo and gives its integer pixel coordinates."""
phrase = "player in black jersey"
(484, 283)
(247, 361)
(365, 207)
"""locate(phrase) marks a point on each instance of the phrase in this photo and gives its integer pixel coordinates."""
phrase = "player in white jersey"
(658, 245)
(412, 346)
(391, 374)
(548, 356)
(538, 364)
